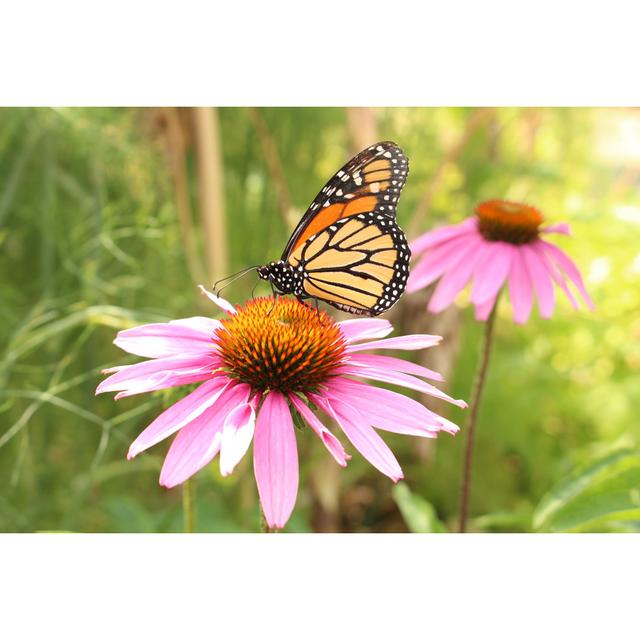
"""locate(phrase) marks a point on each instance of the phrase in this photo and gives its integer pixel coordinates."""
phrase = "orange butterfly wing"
(369, 182)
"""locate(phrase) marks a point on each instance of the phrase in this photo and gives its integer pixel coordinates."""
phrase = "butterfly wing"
(352, 253)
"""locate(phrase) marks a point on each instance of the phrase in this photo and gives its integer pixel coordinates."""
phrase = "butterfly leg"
(274, 293)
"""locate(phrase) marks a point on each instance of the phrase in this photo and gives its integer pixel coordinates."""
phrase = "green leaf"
(594, 495)
(419, 514)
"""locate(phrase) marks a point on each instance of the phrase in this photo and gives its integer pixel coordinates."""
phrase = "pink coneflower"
(501, 244)
(258, 365)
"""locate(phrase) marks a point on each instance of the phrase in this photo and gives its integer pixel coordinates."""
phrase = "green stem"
(188, 507)
(264, 527)
(476, 397)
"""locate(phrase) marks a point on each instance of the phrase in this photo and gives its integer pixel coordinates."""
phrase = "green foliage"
(601, 493)
(418, 513)
(90, 243)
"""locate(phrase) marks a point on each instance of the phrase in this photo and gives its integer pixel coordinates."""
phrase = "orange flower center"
(512, 222)
(280, 344)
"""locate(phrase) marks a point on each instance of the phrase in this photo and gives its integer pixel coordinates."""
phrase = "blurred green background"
(110, 217)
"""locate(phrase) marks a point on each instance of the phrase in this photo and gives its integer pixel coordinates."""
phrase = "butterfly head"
(282, 276)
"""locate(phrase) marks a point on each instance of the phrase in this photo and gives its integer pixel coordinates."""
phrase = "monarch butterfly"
(347, 249)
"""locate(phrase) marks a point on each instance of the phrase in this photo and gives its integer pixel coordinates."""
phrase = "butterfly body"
(348, 250)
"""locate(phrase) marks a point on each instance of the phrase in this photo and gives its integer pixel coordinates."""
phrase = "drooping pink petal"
(443, 258)
(365, 329)
(333, 445)
(560, 227)
(483, 311)
(406, 343)
(199, 442)
(394, 364)
(362, 436)
(520, 288)
(163, 339)
(453, 282)
(568, 266)
(381, 416)
(491, 272)
(394, 406)
(402, 379)
(541, 280)
(180, 414)
(237, 433)
(275, 460)
(153, 374)
(221, 302)
(556, 274)
(432, 239)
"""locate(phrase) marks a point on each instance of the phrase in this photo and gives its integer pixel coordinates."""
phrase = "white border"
(194, 52)
(319, 586)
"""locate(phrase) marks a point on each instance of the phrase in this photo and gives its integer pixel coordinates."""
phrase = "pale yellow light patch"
(372, 287)
(295, 257)
(378, 175)
(335, 258)
(376, 270)
(382, 242)
(369, 232)
(376, 166)
(385, 257)
(346, 229)
(316, 246)
(312, 290)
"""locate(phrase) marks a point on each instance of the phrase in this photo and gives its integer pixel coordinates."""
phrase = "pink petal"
(401, 379)
(333, 445)
(491, 272)
(381, 408)
(205, 325)
(275, 460)
(520, 288)
(443, 258)
(394, 364)
(541, 280)
(178, 379)
(157, 374)
(483, 311)
(556, 274)
(438, 236)
(164, 339)
(365, 329)
(395, 404)
(221, 302)
(199, 442)
(560, 227)
(406, 343)
(454, 281)
(237, 433)
(362, 437)
(180, 414)
(568, 266)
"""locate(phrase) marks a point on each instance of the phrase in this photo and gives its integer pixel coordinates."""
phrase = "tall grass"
(94, 204)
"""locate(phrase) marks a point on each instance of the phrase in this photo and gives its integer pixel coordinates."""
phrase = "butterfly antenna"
(229, 279)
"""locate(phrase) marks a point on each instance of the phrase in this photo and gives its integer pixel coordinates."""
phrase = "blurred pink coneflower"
(261, 363)
(501, 244)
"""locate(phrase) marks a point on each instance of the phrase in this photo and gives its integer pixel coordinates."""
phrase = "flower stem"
(264, 527)
(188, 507)
(476, 397)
